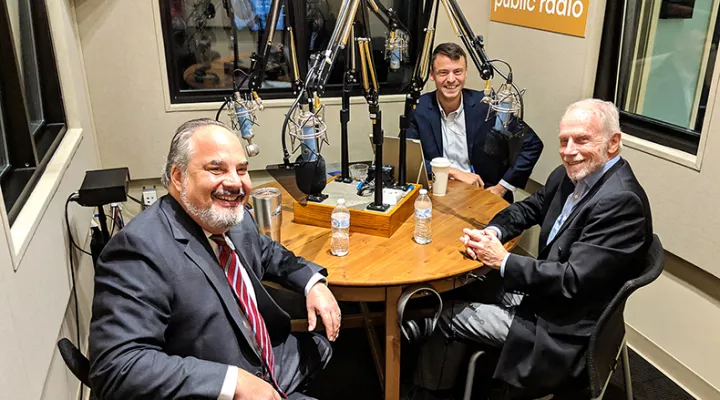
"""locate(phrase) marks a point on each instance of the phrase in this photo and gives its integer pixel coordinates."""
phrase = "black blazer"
(599, 247)
(425, 125)
(165, 322)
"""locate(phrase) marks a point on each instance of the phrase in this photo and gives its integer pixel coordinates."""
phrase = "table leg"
(374, 344)
(392, 344)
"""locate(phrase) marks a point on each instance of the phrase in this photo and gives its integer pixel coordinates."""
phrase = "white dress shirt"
(454, 137)
(227, 392)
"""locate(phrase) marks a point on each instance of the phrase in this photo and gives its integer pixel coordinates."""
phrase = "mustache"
(238, 192)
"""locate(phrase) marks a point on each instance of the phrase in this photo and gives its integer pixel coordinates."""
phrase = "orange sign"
(561, 16)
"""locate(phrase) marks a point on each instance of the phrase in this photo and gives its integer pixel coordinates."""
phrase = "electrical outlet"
(149, 196)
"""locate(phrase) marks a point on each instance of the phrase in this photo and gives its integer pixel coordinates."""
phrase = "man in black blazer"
(596, 228)
(169, 322)
(453, 122)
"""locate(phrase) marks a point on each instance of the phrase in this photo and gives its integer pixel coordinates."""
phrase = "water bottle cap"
(423, 192)
(341, 201)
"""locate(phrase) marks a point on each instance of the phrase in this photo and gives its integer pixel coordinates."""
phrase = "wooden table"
(378, 269)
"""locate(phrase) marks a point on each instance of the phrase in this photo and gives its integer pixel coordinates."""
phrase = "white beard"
(213, 216)
(588, 169)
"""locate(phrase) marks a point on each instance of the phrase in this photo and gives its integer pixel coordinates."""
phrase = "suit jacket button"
(258, 374)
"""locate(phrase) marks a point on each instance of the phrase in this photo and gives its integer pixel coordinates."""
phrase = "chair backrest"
(76, 362)
(609, 333)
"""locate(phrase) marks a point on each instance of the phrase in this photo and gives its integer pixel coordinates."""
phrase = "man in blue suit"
(453, 122)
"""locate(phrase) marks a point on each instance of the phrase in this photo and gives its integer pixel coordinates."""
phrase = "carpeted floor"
(351, 375)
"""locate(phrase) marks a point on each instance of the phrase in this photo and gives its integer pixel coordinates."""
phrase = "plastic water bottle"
(340, 241)
(423, 218)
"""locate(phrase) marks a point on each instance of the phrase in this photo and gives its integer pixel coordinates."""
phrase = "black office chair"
(76, 362)
(607, 343)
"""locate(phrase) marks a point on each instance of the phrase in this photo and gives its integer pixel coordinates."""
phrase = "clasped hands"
(483, 245)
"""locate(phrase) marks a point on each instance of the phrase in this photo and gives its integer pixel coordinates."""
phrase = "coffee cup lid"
(440, 162)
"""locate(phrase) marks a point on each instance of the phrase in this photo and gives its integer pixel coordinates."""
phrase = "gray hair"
(181, 145)
(605, 113)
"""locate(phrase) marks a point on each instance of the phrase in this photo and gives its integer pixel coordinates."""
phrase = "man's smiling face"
(215, 187)
(449, 76)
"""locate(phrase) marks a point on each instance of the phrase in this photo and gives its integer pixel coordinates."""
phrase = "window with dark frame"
(32, 116)
(199, 46)
(657, 59)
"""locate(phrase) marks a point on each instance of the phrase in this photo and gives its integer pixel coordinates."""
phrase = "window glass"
(199, 46)
(202, 43)
(32, 116)
(22, 28)
(672, 62)
(4, 160)
(323, 15)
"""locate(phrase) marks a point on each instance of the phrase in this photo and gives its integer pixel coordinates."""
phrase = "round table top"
(375, 261)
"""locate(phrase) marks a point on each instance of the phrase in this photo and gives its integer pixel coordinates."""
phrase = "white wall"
(672, 322)
(35, 306)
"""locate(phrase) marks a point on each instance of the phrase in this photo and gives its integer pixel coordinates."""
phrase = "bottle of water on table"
(423, 218)
(340, 241)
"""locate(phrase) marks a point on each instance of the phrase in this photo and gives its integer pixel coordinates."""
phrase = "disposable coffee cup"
(267, 206)
(440, 168)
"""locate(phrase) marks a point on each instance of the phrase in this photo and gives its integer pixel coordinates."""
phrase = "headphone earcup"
(404, 332)
(413, 331)
(429, 328)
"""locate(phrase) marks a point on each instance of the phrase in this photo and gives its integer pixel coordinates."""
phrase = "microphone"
(309, 129)
(506, 105)
(244, 117)
(501, 140)
(396, 48)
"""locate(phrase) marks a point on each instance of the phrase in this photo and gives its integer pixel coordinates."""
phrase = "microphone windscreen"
(496, 144)
(311, 176)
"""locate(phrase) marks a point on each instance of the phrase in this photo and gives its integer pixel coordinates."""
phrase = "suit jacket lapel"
(558, 201)
(435, 124)
(198, 250)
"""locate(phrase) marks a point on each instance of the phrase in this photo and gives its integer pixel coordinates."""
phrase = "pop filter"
(505, 144)
(311, 176)
(301, 178)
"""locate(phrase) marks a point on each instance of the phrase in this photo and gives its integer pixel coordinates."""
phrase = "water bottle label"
(341, 223)
(423, 213)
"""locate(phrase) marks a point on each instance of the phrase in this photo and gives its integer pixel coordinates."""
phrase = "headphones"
(411, 330)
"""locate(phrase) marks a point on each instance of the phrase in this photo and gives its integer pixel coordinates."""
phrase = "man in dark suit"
(180, 311)
(596, 228)
(454, 123)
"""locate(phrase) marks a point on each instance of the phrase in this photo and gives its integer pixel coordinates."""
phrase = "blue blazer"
(425, 125)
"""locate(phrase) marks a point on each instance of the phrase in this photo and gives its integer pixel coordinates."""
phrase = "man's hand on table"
(466, 177)
(320, 301)
(498, 190)
(484, 246)
(250, 387)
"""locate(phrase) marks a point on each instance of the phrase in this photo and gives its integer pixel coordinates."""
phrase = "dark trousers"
(298, 360)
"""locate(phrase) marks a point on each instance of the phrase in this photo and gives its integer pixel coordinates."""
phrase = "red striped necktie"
(230, 262)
